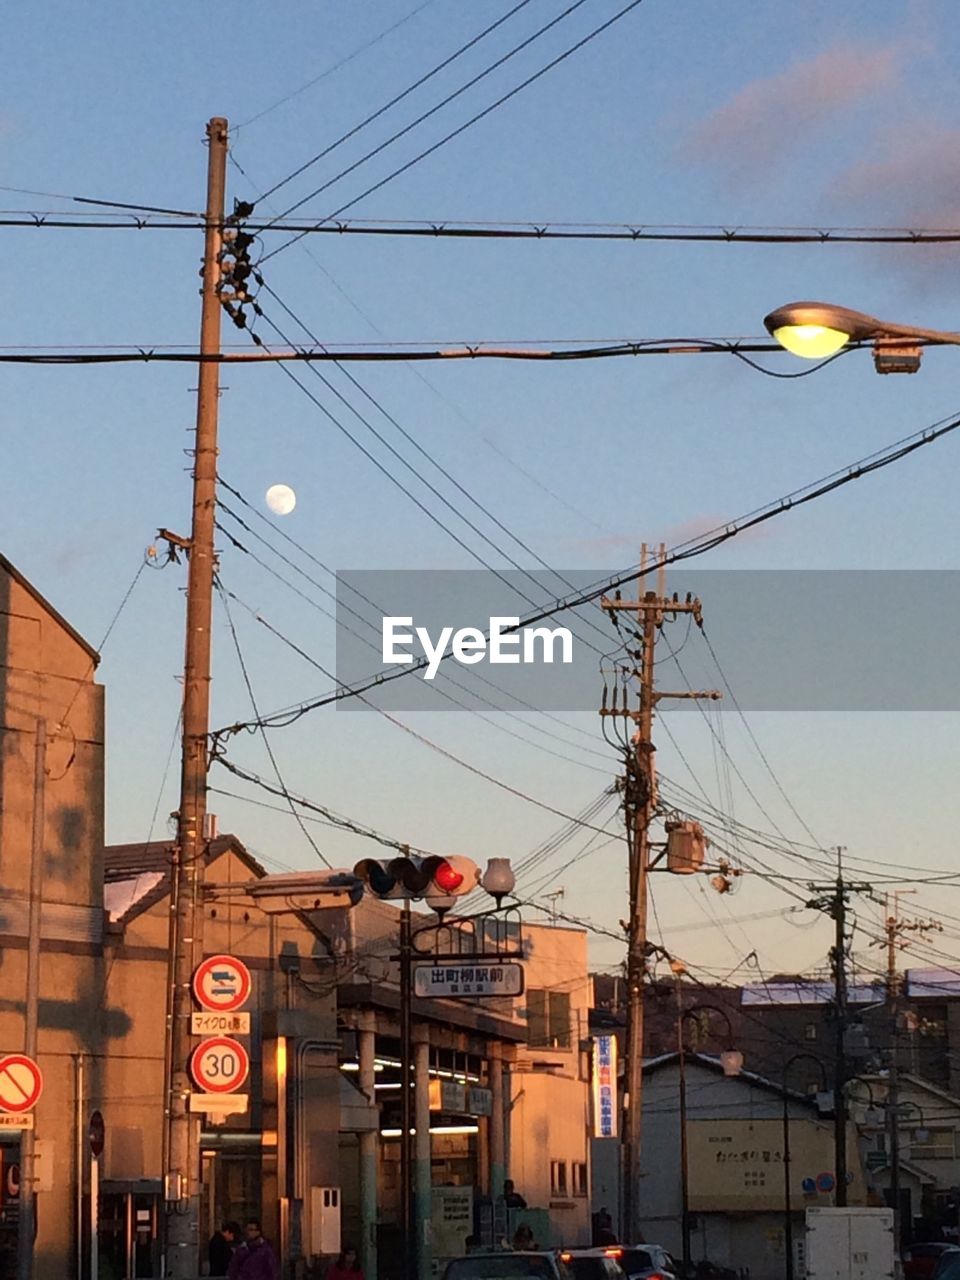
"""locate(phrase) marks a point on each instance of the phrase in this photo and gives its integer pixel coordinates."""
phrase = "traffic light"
(409, 877)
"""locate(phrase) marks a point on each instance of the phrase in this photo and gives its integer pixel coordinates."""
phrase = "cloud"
(912, 181)
(770, 118)
(673, 535)
(917, 176)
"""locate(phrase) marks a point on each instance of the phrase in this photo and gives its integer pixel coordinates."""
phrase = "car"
(545, 1264)
(594, 1264)
(941, 1264)
(647, 1262)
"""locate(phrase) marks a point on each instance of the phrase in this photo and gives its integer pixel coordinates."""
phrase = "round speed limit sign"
(219, 1065)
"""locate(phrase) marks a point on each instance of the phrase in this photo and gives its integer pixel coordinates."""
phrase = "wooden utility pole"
(182, 1166)
(641, 807)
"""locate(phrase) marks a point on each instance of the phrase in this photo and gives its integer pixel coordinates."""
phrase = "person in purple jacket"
(255, 1259)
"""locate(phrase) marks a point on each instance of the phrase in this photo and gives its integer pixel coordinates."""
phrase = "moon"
(281, 499)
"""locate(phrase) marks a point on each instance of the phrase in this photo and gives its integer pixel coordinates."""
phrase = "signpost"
(219, 1024)
(221, 984)
(220, 1065)
(21, 1083)
(471, 979)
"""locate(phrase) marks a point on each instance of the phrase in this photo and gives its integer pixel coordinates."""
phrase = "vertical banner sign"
(605, 1087)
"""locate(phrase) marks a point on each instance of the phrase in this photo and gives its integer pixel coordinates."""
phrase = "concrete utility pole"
(891, 927)
(182, 1171)
(834, 902)
(641, 807)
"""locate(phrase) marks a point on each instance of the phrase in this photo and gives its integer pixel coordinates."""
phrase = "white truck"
(849, 1244)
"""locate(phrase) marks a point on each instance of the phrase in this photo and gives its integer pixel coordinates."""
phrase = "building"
(51, 800)
(503, 1083)
(735, 1139)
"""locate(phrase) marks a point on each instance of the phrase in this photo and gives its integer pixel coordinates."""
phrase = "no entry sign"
(220, 1065)
(21, 1083)
(221, 984)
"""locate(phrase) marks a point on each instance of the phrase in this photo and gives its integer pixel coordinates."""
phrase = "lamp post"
(817, 330)
(889, 1119)
(787, 1207)
(732, 1062)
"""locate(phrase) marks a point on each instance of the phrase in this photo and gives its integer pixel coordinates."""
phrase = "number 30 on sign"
(219, 1065)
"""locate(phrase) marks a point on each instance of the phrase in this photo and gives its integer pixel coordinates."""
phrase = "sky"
(727, 115)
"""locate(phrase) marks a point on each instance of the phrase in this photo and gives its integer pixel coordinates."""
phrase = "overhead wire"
(438, 688)
(474, 119)
(450, 478)
(263, 733)
(394, 101)
(218, 756)
(335, 67)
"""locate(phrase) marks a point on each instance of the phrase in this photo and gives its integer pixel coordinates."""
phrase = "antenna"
(552, 897)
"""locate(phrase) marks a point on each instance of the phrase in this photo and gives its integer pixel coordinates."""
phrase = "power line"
(480, 115)
(263, 733)
(259, 723)
(440, 229)
(527, 706)
(688, 550)
(397, 353)
(337, 66)
(440, 66)
(451, 479)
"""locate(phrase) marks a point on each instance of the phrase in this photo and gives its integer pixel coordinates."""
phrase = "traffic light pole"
(410, 1244)
(182, 1167)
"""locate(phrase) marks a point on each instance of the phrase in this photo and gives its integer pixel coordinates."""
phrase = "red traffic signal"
(409, 877)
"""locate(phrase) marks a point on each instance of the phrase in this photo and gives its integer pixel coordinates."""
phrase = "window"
(580, 1187)
(558, 1177)
(810, 1031)
(940, 1145)
(548, 1018)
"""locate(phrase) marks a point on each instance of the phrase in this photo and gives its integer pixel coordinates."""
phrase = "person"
(512, 1198)
(523, 1241)
(346, 1267)
(255, 1258)
(603, 1232)
(221, 1247)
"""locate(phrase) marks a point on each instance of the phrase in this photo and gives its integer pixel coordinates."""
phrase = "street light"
(732, 1062)
(787, 1207)
(816, 330)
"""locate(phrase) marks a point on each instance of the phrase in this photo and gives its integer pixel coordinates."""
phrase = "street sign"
(826, 1182)
(468, 980)
(10, 1121)
(221, 984)
(220, 1104)
(21, 1083)
(97, 1134)
(219, 1065)
(219, 1024)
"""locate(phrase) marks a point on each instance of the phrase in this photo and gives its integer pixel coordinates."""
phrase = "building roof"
(48, 608)
(136, 876)
(804, 991)
(652, 1065)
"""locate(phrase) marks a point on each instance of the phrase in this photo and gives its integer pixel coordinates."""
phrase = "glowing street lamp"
(817, 330)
